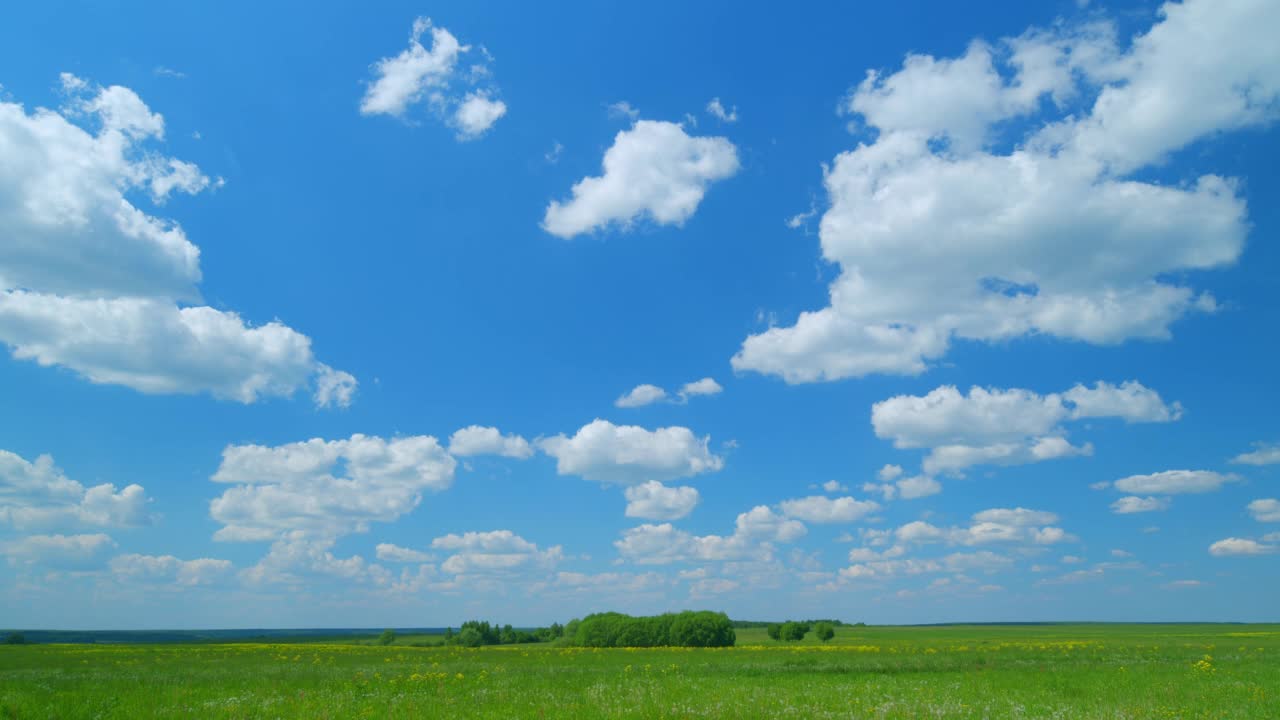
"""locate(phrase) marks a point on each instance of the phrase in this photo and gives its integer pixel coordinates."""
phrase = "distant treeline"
(683, 629)
(475, 633)
(743, 624)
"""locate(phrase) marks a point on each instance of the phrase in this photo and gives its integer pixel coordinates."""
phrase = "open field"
(1053, 671)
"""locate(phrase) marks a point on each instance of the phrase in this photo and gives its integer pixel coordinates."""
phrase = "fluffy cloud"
(478, 440)
(1265, 510)
(820, 509)
(168, 569)
(498, 551)
(387, 552)
(325, 489)
(298, 558)
(1264, 454)
(1056, 236)
(997, 525)
(1174, 482)
(91, 282)
(655, 501)
(1239, 546)
(653, 171)
(628, 454)
(1134, 504)
(755, 531)
(476, 114)
(641, 395)
(419, 74)
(38, 494)
(1007, 426)
(647, 394)
(69, 552)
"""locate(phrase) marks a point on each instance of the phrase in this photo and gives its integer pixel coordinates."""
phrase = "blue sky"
(396, 317)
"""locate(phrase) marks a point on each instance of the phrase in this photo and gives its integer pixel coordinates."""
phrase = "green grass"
(1055, 671)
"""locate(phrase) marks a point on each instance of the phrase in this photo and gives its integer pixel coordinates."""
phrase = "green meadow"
(1045, 671)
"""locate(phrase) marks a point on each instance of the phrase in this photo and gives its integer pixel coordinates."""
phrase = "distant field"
(1052, 671)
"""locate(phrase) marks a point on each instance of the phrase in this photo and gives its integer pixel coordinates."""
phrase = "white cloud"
(325, 489)
(754, 533)
(1174, 482)
(705, 386)
(297, 557)
(479, 440)
(1239, 546)
(917, 486)
(1265, 510)
(1006, 426)
(169, 569)
(90, 282)
(725, 115)
(654, 171)
(416, 72)
(889, 473)
(997, 525)
(1264, 454)
(70, 552)
(1053, 237)
(655, 501)
(38, 494)
(1130, 401)
(623, 109)
(419, 74)
(641, 395)
(820, 509)
(497, 551)
(1182, 585)
(833, 486)
(388, 552)
(476, 114)
(1134, 504)
(629, 454)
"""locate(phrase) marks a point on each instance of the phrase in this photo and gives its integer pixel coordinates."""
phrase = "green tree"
(775, 631)
(824, 631)
(387, 637)
(470, 637)
(794, 631)
(15, 638)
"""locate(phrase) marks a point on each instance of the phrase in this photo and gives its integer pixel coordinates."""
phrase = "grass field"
(1054, 671)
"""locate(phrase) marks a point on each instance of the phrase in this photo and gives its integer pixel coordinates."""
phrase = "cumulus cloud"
(994, 426)
(1239, 546)
(432, 75)
(388, 552)
(641, 395)
(1174, 482)
(38, 494)
(65, 552)
(1134, 504)
(167, 569)
(753, 538)
(498, 551)
(1263, 454)
(647, 394)
(655, 501)
(819, 509)
(93, 283)
(997, 525)
(1059, 235)
(324, 489)
(478, 440)
(629, 454)
(653, 171)
(1265, 510)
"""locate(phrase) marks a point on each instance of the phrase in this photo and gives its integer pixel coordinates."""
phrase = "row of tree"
(683, 629)
(475, 633)
(793, 631)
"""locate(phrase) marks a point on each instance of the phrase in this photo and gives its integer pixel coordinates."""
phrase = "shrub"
(824, 631)
(687, 629)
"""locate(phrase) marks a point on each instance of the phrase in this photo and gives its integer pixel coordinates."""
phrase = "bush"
(470, 637)
(824, 631)
(794, 631)
(775, 631)
(686, 629)
(15, 638)
(387, 637)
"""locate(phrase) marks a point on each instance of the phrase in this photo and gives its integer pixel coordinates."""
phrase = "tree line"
(683, 629)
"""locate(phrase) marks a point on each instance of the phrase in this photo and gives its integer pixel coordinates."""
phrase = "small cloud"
(623, 109)
(162, 71)
(552, 156)
(717, 110)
